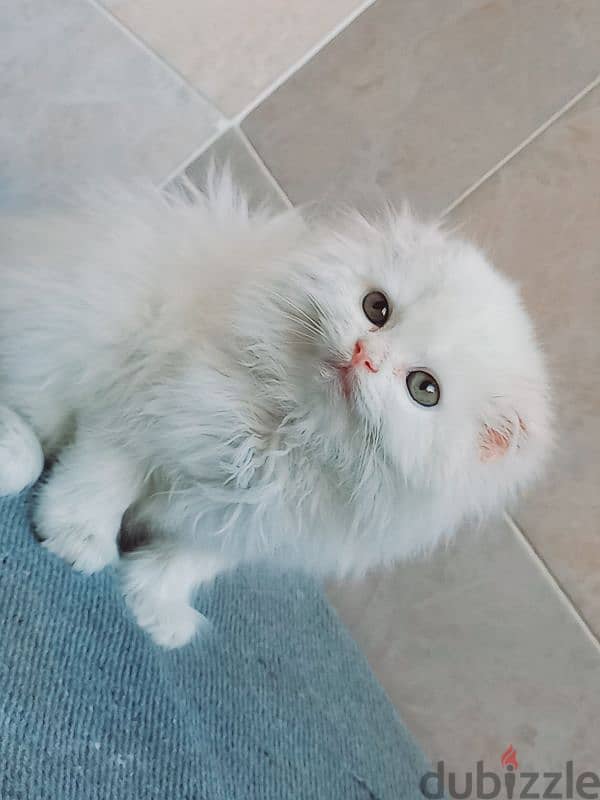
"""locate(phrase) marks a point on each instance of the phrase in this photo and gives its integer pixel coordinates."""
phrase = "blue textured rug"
(278, 703)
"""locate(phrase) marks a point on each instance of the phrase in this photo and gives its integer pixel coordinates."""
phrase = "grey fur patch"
(133, 533)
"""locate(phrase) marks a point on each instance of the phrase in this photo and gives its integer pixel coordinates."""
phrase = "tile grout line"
(222, 123)
(301, 62)
(182, 165)
(551, 577)
(135, 39)
(537, 132)
(473, 188)
(189, 185)
(263, 168)
(228, 123)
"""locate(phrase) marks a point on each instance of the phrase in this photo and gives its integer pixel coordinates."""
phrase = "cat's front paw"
(84, 550)
(72, 531)
(170, 625)
(21, 456)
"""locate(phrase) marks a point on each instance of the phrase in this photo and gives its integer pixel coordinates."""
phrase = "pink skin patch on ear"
(494, 443)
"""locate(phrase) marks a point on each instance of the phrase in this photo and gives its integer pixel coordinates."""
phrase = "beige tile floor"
(230, 49)
(489, 107)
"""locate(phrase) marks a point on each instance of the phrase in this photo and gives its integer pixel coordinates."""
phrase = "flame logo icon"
(509, 758)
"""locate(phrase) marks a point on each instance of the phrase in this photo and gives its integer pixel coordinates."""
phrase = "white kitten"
(252, 387)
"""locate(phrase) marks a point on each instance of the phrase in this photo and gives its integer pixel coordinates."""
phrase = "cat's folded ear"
(501, 435)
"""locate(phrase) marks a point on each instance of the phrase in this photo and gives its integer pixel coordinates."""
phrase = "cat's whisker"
(317, 305)
(312, 333)
(299, 321)
(291, 304)
(310, 321)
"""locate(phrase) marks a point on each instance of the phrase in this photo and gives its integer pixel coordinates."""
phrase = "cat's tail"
(21, 455)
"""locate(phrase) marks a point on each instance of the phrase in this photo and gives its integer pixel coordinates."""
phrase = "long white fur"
(177, 359)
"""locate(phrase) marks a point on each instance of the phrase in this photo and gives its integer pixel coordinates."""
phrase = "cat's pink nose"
(360, 357)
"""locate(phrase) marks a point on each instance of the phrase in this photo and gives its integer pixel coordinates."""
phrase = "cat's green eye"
(423, 388)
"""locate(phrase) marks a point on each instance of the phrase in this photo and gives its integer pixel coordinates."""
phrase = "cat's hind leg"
(78, 510)
(159, 578)
(21, 455)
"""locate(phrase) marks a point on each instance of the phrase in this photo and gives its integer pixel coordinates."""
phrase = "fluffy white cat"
(225, 386)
